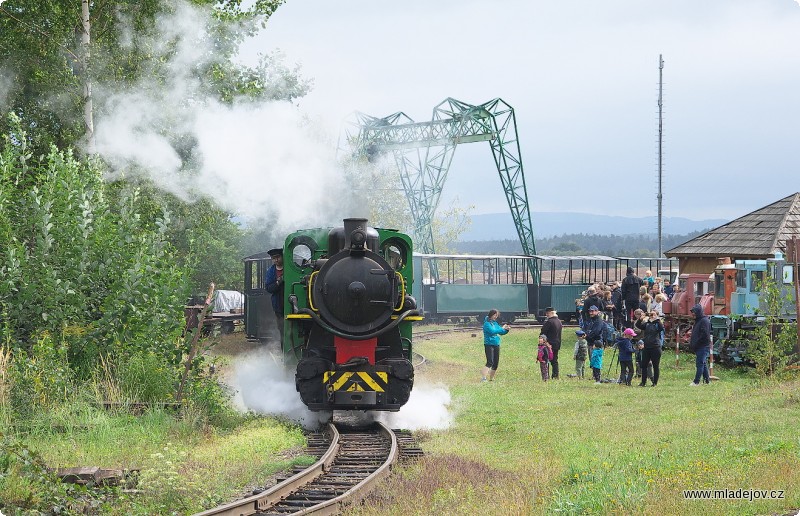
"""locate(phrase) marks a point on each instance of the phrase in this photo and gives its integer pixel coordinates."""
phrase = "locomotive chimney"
(352, 225)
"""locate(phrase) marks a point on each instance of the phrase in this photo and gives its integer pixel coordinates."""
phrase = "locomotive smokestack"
(351, 226)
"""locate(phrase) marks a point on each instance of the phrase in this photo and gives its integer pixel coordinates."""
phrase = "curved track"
(354, 460)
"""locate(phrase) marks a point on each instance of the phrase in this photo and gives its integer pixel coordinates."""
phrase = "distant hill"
(500, 226)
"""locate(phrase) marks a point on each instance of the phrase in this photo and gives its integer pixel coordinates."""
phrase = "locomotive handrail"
(310, 291)
(317, 319)
(402, 292)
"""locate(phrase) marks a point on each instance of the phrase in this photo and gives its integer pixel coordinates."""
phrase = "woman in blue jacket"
(491, 343)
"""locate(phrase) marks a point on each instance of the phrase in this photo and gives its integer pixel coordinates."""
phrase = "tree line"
(581, 244)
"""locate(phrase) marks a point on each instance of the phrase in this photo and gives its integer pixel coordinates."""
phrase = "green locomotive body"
(347, 315)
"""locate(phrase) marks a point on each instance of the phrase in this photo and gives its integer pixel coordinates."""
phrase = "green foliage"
(41, 379)
(28, 485)
(39, 42)
(146, 377)
(773, 340)
(83, 277)
(161, 480)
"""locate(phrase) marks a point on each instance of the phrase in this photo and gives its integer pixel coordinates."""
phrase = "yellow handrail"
(310, 289)
(403, 291)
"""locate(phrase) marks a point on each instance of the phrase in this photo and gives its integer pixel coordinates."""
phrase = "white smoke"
(5, 86)
(255, 159)
(265, 386)
(428, 408)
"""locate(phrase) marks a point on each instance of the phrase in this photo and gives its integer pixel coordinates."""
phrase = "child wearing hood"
(544, 355)
(581, 353)
(596, 362)
(625, 348)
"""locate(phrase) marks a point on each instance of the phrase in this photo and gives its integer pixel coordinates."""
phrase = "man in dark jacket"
(274, 285)
(653, 328)
(616, 300)
(552, 330)
(700, 344)
(630, 295)
(594, 326)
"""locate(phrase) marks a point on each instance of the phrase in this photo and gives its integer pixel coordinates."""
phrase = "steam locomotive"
(347, 315)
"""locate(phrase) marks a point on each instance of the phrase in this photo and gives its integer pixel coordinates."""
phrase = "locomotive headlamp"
(357, 239)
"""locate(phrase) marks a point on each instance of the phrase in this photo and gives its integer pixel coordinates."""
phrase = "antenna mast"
(660, 141)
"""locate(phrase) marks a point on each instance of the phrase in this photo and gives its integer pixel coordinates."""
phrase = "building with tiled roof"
(757, 235)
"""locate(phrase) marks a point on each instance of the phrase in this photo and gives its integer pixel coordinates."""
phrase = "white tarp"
(228, 300)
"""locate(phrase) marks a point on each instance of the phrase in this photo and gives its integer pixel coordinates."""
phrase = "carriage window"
(788, 274)
(741, 278)
(756, 280)
(301, 255)
(719, 285)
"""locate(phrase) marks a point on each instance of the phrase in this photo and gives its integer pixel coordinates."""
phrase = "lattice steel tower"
(423, 152)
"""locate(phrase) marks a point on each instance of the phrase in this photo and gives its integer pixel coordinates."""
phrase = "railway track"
(350, 462)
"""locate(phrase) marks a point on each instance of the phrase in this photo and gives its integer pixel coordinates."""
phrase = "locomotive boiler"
(347, 315)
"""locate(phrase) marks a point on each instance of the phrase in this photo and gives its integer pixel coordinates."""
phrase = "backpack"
(547, 353)
(609, 333)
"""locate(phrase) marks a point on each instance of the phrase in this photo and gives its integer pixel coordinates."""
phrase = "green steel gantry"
(424, 150)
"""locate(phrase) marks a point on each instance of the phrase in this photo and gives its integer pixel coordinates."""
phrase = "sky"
(582, 76)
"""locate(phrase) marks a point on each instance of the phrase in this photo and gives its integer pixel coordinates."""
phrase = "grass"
(518, 445)
(522, 446)
(183, 467)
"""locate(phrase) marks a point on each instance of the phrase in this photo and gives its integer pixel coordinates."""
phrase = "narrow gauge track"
(351, 461)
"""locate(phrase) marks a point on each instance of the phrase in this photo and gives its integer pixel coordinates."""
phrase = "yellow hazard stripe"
(369, 381)
(337, 385)
(411, 318)
(355, 381)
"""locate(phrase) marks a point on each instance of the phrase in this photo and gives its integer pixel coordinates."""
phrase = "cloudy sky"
(582, 76)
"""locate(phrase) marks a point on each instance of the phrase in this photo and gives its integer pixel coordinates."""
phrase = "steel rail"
(335, 505)
(266, 500)
(256, 503)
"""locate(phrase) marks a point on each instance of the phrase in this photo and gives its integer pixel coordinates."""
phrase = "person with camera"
(491, 343)
(652, 327)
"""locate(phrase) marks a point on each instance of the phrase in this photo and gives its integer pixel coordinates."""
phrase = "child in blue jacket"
(596, 361)
(625, 348)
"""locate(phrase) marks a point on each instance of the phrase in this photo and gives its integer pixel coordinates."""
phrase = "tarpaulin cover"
(228, 300)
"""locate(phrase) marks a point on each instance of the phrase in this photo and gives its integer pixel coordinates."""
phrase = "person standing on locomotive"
(552, 330)
(491, 343)
(630, 295)
(274, 285)
(701, 345)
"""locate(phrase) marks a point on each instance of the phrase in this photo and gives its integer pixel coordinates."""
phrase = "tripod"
(613, 356)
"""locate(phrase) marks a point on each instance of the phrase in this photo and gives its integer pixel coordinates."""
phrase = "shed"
(757, 235)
